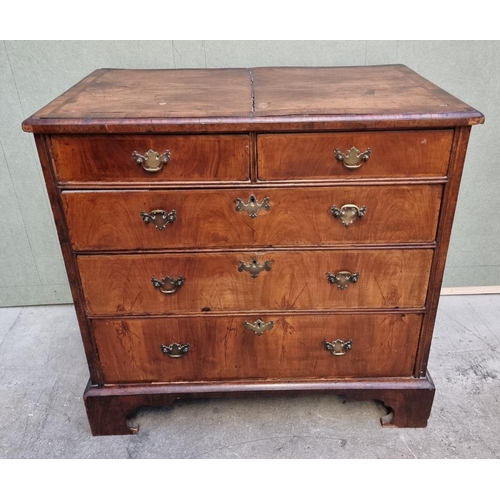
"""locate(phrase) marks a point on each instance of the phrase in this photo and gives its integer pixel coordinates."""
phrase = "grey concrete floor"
(43, 373)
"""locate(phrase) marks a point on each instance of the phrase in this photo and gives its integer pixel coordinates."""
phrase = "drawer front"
(112, 220)
(222, 348)
(293, 280)
(109, 158)
(393, 154)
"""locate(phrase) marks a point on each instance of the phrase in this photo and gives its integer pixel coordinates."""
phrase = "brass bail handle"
(348, 213)
(168, 285)
(175, 350)
(342, 278)
(159, 218)
(353, 158)
(151, 160)
(338, 347)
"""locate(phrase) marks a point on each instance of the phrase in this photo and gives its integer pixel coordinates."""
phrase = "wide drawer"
(120, 220)
(109, 158)
(224, 281)
(393, 154)
(222, 348)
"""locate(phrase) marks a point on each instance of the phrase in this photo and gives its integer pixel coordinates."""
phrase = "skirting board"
(470, 290)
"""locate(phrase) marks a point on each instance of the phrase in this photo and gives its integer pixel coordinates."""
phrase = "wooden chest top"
(122, 100)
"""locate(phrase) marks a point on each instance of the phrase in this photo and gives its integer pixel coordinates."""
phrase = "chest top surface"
(120, 100)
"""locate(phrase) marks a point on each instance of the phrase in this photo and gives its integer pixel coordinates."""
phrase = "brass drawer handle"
(152, 161)
(354, 158)
(175, 350)
(159, 218)
(348, 213)
(259, 327)
(254, 268)
(252, 207)
(168, 284)
(342, 278)
(338, 347)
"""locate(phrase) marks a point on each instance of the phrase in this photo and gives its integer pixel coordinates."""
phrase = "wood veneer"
(297, 280)
(222, 349)
(394, 154)
(111, 220)
(109, 158)
(268, 132)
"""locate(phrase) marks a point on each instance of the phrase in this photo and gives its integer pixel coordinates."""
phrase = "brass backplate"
(252, 207)
(159, 218)
(259, 326)
(348, 213)
(342, 278)
(254, 268)
(152, 161)
(338, 347)
(168, 285)
(175, 350)
(354, 158)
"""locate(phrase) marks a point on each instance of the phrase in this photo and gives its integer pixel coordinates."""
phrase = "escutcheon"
(338, 347)
(152, 161)
(353, 158)
(167, 284)
(252, 207)
(254, 268)
(259, 327)
(342, 278)
(175, 350)
(159, 218)
(348, 213)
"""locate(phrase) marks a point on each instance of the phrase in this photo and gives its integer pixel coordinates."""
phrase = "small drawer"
(255, 281)
(423, 153)
(145, 159)
(221, 348)
(160, 219)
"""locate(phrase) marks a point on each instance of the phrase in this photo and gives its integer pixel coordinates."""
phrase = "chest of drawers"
(249, 232)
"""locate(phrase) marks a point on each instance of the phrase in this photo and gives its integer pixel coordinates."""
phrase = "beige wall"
(33, 73)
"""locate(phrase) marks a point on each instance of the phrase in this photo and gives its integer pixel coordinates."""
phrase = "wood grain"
(262, 99)
(297, 280)
(450, 197)
(126, 93)
(107, 220)
(409, 400)
(44, 153)
(222, 349)
(354, 90)
(105, 158)
(394, 154)
(270, 132)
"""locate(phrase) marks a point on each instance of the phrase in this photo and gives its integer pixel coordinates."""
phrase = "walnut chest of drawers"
(245, 232)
